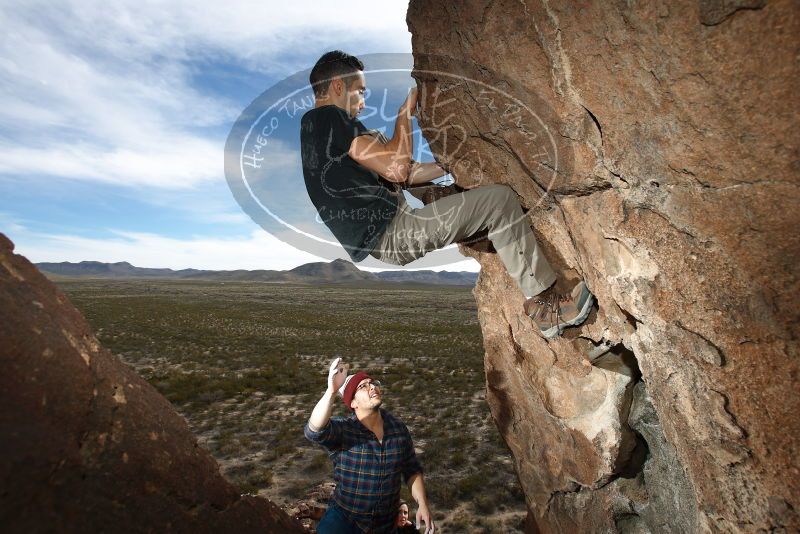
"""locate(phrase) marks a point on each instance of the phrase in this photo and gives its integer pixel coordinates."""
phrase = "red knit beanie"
(351, 385)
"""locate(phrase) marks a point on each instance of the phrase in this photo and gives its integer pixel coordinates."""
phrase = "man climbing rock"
(371, 449)
(354, 178)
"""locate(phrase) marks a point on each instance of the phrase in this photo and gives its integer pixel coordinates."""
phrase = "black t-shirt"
(353, 201)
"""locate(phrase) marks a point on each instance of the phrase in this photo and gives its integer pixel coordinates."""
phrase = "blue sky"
(114, 118)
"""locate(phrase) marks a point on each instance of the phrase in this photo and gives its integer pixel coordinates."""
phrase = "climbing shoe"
(553, 312)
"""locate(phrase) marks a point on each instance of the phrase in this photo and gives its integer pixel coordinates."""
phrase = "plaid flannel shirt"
(367, 472)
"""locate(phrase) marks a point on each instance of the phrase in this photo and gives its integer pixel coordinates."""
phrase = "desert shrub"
(207, 397)
(459, 524)
(262, 477)
(468, 487)
(319, 462)
(229, 448)
(457, 459)
(483, 455)
(441, 492)
(296, 490)
(460, 441)
(485, 503)
(283, 449)
(249, 477)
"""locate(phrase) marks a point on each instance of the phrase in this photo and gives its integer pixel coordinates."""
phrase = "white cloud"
(256, 32)
(105, 91)
(9, 224)
(70, 118)
(181, 163)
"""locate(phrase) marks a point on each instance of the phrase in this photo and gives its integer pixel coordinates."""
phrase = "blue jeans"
(334, 522)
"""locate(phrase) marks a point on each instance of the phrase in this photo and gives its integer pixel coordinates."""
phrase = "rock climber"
(354, 177)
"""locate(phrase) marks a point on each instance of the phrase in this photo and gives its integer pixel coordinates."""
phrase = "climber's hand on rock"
(409, 107)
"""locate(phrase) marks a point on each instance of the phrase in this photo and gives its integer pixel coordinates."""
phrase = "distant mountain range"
(335, 272)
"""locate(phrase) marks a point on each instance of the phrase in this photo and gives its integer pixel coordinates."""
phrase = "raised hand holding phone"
(336, 374)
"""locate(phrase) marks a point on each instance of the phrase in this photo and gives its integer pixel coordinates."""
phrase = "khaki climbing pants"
(416, 231)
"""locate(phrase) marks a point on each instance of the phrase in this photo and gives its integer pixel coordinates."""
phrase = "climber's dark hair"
(331, 65)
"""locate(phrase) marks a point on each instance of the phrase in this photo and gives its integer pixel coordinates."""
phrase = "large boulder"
(655, 145)
(87, 445)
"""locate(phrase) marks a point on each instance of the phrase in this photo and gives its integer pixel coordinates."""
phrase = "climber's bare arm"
(419, 173)
(392, 160)
(424, 172)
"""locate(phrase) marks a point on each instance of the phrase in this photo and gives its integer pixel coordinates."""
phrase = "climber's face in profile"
(353, 97)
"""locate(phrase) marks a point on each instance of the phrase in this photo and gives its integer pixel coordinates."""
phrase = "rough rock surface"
(310, 509)
(87, 445)
(655, 145)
